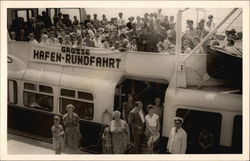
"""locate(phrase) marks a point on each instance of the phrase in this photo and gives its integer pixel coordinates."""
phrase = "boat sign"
(68, 56)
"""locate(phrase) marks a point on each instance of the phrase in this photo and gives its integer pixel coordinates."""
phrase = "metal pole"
(178, 42)
(203, 41)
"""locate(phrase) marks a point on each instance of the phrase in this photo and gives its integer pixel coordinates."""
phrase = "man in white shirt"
(210, 23)
(177, 142)
(52, 39)
(121, 21)
(32, 39)
(97, 41)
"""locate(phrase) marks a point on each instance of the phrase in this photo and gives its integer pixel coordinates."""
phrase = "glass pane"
(38, 101)
(30, 86)
(84, 95)
(46, 89)
(12, 92)
(68, 93)
(22, 14)
(85, 110)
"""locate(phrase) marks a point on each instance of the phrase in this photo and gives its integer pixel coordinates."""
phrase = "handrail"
(204, 40)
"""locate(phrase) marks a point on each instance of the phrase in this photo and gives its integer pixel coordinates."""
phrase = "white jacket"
(177, 142)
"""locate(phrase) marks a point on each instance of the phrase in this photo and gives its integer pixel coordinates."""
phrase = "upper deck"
(158, 66)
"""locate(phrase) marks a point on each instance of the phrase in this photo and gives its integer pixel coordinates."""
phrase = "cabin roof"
(70, 77)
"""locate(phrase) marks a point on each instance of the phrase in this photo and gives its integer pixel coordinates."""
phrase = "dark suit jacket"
(126, 108)
(135, 122)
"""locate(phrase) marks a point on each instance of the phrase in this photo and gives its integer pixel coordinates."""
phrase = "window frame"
(37, 91)
(16, 91)
(219, 118)
(77, 99)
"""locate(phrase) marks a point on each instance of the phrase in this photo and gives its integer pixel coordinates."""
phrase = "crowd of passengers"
(154, 32)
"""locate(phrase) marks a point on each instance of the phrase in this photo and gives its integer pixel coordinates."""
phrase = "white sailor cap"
(178, 119)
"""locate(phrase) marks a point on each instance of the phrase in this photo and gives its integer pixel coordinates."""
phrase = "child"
(196, 41)
(57, 132)
(107, 141)
(187, 48)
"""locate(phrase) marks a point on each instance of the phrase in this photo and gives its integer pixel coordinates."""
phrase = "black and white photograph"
(144, 81)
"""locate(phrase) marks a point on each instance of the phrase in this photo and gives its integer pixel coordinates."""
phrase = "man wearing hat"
(31, 38)
(12, 36)
(177, 142)
(129, 24)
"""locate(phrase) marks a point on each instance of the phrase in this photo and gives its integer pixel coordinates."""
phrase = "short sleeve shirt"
(152, 121)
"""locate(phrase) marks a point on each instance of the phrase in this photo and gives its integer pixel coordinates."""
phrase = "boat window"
(45, 89)
(84, 95)
(196, 121)
(237, 134)
(12, 92)
(30, 86)
(38, 101)
(85, 110)
(68, 93)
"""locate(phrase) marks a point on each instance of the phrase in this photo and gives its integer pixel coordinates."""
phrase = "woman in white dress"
(152, 128)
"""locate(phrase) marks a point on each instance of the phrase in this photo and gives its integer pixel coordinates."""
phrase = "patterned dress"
(72, 134)
(120, 136)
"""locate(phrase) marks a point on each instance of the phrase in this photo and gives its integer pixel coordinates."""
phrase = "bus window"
(33, 99)
(71, 12)
(84, 105)
(23, 14)
(237, 134)
(197, 121)
(12, 92)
